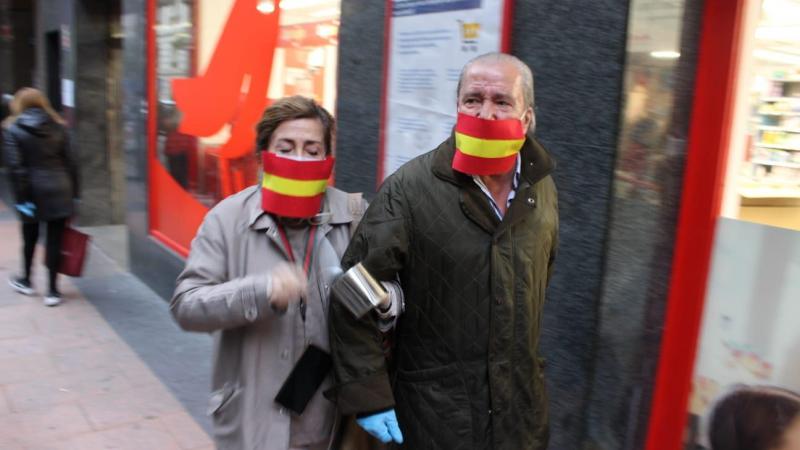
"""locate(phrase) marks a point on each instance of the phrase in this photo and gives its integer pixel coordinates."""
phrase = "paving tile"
(146, 434)
(111, 410)
(63, 388)
(155, 400)
(37, 395)
(186, 431)
(22, 309)
(17, 369)
(8, 301)
(43, 425)
(12, 444)
(22, 346)
(16, 327)
(5, 407)
(69, 381)
(137, 372)
(90, 355)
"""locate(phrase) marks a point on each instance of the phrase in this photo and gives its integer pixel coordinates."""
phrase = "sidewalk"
(79, 376)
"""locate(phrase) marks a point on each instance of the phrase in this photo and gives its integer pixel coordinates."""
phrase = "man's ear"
(529, 120)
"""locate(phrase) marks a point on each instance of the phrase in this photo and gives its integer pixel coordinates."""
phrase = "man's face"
(299, 138)
(494, 91)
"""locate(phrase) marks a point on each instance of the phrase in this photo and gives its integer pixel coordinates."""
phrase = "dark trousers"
(55, 233)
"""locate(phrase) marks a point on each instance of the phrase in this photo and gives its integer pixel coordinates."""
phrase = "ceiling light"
(665, 54)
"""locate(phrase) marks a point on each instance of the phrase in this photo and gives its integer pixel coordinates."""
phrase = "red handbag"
(73, 252)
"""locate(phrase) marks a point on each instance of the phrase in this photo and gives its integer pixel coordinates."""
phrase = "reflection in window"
(174, 59)
(658, 84)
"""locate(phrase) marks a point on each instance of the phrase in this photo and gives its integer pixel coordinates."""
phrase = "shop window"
(218, 64)
(652, 143)
(764, 169)
(749, 335)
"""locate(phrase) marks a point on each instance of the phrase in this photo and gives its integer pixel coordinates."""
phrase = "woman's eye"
(284, 150)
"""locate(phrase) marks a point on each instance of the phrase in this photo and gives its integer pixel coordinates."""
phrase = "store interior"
(763, 177)
(749, 334)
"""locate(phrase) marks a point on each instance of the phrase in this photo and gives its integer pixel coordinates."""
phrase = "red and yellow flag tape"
(292, 188)
(486, 147)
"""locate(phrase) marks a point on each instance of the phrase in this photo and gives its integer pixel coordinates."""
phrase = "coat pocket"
(225, 409)
(433, 407)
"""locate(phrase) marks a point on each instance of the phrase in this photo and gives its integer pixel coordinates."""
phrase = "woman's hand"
(288, 283)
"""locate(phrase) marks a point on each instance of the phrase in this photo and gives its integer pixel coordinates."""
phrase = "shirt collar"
(511, 194)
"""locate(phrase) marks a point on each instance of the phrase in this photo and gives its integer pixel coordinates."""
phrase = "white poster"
(749, 334)
(430, 42)
(67, 93)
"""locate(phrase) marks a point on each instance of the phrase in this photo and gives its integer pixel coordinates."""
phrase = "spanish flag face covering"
(487, 147)
(294, 187)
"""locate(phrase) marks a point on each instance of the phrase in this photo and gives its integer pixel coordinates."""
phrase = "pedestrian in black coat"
(44, 179)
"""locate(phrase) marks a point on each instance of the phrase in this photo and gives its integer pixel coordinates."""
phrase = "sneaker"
(21, 285)
(52, 299)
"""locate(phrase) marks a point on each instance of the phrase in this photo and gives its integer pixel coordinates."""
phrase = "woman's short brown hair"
(753, 418)
(291, 108)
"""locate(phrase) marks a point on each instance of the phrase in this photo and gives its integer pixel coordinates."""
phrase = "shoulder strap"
(355, 204)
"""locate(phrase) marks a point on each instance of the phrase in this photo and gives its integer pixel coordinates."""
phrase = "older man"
(470, 229)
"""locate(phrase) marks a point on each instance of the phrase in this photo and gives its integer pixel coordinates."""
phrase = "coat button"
(531, 201)
(285, 353)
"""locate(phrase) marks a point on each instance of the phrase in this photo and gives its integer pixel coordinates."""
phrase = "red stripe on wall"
(387, 37)
(508, 23)
(151, 109)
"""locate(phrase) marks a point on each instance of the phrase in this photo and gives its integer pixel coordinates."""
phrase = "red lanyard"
(309, 246)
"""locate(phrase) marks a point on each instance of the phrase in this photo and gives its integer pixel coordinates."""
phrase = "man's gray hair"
(496, 57)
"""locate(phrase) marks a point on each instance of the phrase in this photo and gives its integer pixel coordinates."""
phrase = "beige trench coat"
(224, 290)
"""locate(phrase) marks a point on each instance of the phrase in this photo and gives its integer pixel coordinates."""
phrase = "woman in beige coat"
(258, 278)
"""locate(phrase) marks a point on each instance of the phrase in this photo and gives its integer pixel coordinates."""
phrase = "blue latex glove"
(383, 426)
(27, 208)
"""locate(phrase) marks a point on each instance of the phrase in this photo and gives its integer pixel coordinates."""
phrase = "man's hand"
(26, 209)
(288, 284)
(383, 426)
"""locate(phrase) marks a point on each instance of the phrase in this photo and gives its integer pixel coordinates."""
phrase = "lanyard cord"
(309, 247)
(306, 258)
